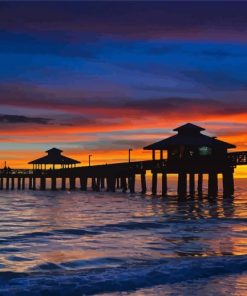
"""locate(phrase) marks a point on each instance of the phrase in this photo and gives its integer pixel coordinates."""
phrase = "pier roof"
(189, 135)
(54, 156)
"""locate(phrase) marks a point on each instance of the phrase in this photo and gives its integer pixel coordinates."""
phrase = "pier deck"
(120, 175)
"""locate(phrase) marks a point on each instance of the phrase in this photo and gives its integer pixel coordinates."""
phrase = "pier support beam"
(30, 183)
(118, 182)
(182, 184)
(72, 183)
(97, 184)
(7, 183)
(200, 184)
(34, 183)
(53, 183)
(132, 183)
(19, 183)
(63, 183)
(83, 181)
(212, 184)
(12, 183)
(164, 184)
(107, 183)
(102, 182)
(154, 183)
(23, 183)
(93, 184)
(123, 184)
(1, 183)
(111, 183)
(143, 183)
(228, 183)
(192, 184)
(42, 183)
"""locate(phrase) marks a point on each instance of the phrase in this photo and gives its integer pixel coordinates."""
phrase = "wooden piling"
(23, 183)
(7, 183)
(97, 184)
(53, 183)
(63, 187)
(231, 183)
(228, 183)
(34, 183)
(93, 184)
(200, 184)
(83, 181)
(72, 183)
(118, 182)
(1, 183)
(12, 183)
(112, 183)
(102, 182)
(30, 183)
(132, 183)
(143, 183)
(123, 184)
(182, 184)
(19, 183)
(154, 183)
(164, 184)
(192, 184)
(42, 183)
(107, 184)
(212, 184)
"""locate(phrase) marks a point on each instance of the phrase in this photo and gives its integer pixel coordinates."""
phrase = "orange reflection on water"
(60, 256)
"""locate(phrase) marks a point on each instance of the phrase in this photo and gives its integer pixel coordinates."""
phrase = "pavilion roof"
(54, 157)
(189, 135)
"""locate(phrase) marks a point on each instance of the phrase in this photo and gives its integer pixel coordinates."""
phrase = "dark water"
(121, 244)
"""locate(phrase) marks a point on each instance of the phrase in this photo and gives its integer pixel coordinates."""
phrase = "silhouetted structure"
(191, 152)
(54, 157)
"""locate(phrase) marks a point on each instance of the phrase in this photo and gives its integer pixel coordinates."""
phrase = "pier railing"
(233, 158)
(238, 158)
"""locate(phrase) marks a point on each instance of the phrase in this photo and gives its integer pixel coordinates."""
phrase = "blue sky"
(107, 76)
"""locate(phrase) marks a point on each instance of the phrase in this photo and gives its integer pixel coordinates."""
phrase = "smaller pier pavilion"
(45, 167)
(191, 153)
(54, 157)
(50, 166)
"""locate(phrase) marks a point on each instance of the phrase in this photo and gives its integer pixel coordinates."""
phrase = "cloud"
(129, 19)
(217, 79)
(22, 43)
(19, 119)
(113, 111)
(114, 144)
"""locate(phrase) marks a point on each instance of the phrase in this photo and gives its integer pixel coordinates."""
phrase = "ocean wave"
(145, 225)
(127, 277)
(74, 231)
(124, 226)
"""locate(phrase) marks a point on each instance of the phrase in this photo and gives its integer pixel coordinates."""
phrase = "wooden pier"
(190, 166)
(122, 176)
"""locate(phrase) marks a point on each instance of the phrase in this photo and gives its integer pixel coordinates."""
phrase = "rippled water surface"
(75, 243)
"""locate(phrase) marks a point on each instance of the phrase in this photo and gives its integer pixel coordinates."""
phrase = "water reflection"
(62, 227)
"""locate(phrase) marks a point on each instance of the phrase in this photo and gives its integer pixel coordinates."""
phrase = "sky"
(102, 77)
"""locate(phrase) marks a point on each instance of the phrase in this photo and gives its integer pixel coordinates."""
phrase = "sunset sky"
(100, 78)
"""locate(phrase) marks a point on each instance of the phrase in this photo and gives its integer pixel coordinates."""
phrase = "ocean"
(101, 243)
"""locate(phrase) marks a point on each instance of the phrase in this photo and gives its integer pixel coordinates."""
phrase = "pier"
(190, 154)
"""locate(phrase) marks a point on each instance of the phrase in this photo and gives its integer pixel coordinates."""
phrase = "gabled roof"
(189, 135)
(54, 157)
